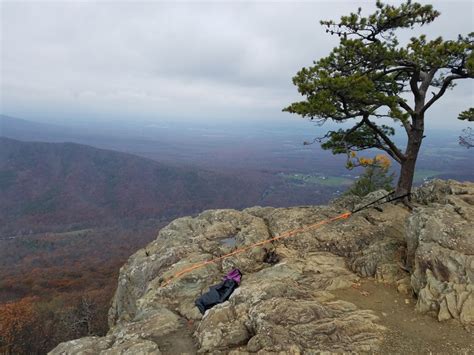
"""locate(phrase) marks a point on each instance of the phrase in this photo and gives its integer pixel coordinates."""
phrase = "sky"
(150, 61)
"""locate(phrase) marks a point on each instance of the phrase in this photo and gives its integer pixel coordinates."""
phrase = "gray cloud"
(217, 60)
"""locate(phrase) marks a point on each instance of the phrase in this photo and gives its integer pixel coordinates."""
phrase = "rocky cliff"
(287, 301)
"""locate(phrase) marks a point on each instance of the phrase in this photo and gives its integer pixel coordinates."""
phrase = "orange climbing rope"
(248, 247)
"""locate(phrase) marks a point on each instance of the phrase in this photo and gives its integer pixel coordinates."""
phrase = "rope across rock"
(286, 234)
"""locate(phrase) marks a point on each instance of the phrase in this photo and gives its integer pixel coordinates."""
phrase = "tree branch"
(427, 80)
(385, 138)
(397, 69)
(405, 106)
(414, 83)
(410, 111)
(388, 151)
(353, 129)
(407, 126)
(441, 91)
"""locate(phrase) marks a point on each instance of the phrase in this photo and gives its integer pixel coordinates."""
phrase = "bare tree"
(467, 138)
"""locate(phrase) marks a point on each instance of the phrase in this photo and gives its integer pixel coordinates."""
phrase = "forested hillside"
(48, 187)
(70, 215)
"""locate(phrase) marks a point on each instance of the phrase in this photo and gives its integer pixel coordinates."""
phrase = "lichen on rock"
(440, 240)
(288, 305)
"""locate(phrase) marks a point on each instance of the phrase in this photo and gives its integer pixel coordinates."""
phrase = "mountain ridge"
(73, 183)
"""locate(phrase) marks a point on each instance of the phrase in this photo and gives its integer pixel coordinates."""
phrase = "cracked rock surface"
(440, 240)
(288, 306)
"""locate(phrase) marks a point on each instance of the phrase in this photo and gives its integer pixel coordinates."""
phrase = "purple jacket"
(234, 274)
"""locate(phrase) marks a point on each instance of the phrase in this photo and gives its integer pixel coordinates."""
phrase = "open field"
(317, 179)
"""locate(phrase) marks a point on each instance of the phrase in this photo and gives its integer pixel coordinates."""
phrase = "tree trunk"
(405, 181)
(407, 171)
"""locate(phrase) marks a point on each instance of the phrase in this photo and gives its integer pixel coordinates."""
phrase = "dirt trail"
(409, 332)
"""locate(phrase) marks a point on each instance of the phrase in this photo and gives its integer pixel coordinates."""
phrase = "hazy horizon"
(138, 138)
(152, 62)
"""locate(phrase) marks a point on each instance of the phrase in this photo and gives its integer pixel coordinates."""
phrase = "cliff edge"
(295, 294)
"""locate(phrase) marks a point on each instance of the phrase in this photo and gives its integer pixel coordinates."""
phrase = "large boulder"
(184, 242)
(286, 302)
(373, 241)
(288, 307)
(440, 249)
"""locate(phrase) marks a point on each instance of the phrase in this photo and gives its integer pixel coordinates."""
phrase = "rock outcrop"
(440, 239)
(285, 302)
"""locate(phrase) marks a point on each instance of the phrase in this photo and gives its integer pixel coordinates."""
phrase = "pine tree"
(371, 76)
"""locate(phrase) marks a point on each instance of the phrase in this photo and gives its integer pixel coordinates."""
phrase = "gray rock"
(83, 346)
(440, 250)
(444, 192)
(182, 243)
(135, 347)
(287, 306)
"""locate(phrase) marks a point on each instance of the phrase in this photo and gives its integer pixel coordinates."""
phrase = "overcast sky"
(153, 60)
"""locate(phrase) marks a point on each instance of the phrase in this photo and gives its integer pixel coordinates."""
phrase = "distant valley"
(48, 187)
(77, 201)
(71, 212)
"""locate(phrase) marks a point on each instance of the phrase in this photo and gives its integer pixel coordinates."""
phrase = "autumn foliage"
(376, 175)
(380, 160)
(33, 325)
(16, 322)
(58, 287)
